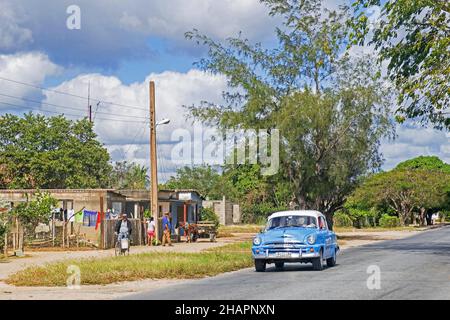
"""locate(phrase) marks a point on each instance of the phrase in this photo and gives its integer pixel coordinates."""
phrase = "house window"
(117, 207)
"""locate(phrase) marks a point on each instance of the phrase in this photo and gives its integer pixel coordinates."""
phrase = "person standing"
(151, 231)
(123, 228)
(167, 227)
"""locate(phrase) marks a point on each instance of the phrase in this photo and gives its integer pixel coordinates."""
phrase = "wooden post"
(53, 228)
(5, 248)
(63, 235)
(153, 162)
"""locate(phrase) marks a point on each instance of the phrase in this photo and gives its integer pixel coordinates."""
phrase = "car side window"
(322, 224)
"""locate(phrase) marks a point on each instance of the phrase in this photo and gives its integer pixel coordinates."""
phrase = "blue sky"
(121, 46)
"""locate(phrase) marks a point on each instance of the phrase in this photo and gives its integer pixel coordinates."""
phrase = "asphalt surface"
(416, 267)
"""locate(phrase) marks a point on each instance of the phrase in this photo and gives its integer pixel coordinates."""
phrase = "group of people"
(124, 228)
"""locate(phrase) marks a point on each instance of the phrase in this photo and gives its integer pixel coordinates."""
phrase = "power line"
(71, 94)
(62, 113)
(68, 107)
(136, 135)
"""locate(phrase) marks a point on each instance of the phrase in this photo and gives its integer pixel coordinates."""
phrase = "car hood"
(286, 234)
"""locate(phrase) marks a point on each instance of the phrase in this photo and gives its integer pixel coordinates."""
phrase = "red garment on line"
(100, 216)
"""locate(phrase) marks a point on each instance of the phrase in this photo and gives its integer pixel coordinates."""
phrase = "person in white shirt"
(150, 231)
(123, 227)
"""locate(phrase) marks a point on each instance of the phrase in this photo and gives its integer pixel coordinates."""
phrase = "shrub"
(258, 213)
(445, 215)
(3, 231)
(363, 218)
(342, 220)
(208, 214)
(387, 221)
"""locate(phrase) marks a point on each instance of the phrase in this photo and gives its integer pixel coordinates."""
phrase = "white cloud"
(413, 142)
(125, 30)
(218, 18)
(32, 68)
(12, 35)
(129, 140)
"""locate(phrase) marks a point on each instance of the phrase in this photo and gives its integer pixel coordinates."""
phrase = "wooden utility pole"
(153, 164)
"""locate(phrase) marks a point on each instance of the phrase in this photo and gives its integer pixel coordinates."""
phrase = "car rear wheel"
(317, 262)
(331, 262)
(260, 265)
(279, 265)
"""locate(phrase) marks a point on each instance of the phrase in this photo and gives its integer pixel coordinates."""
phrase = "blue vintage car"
(295, 236)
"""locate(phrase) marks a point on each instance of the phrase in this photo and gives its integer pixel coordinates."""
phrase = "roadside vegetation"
(168, 265)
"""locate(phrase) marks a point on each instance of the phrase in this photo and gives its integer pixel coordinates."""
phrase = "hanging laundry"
(71, 215)
(79, 216)
(89, 218)
(100, 216)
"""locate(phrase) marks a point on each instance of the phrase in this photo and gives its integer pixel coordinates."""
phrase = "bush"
(387, 221)
(363, 218)
(341, 219)
(258, 213)
(208, 214)
(446, 215)
(3, 231)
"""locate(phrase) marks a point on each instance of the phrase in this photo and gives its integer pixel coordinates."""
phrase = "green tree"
(204, 179)
(406, 190)
(5, 221)
(138, 177)
(34, 211)
(413, 37)
(331, 110)
(425, 163)
(50, 152)
(126, 175)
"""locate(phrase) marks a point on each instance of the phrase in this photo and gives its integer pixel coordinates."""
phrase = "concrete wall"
(74, 199)
(228, 212)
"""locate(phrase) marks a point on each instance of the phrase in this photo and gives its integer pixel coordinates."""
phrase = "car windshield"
(292, 221)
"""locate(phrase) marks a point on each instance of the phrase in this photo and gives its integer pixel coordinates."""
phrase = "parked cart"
(207, 229)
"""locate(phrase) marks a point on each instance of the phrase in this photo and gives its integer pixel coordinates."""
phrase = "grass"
(165, 265)
(242, 228)
(374, 229)
(225, 231)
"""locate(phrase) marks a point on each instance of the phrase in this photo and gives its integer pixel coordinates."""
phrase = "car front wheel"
(260, 265)
(317, 262)
(331, 262)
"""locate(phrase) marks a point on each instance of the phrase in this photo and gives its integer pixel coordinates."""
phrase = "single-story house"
(182, 204)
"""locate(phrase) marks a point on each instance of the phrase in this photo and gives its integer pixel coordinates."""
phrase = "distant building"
(227, 211)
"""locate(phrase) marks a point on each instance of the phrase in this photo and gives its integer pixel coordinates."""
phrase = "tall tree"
(406, 190)
(413, 37)
(50, 152)
(129, 176)
(204, 179)
(331, 109)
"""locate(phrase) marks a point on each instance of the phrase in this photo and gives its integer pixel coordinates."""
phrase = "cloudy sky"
(120, 47)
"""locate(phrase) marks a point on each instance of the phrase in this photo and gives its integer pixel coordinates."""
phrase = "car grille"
(282, 245)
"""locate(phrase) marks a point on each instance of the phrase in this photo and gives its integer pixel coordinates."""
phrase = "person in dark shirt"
(167, 227)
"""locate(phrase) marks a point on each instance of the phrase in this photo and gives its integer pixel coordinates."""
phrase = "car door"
(327, 237)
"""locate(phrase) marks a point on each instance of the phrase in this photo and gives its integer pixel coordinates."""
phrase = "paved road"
(417, 267)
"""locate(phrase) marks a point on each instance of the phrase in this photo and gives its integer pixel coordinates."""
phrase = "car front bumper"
(286, 254)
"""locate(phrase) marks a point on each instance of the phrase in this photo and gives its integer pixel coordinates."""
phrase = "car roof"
(311, 213)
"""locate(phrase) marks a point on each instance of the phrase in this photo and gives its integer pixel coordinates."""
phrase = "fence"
(137, 235)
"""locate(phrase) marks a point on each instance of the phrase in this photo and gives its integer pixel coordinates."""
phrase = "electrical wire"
(62, 113)
(66, 107)
(70, 94)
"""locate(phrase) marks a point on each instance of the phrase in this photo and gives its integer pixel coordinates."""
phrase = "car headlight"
(257, 241)
(311, 239)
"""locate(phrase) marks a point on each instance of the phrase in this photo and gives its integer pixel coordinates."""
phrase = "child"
(150, 231)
